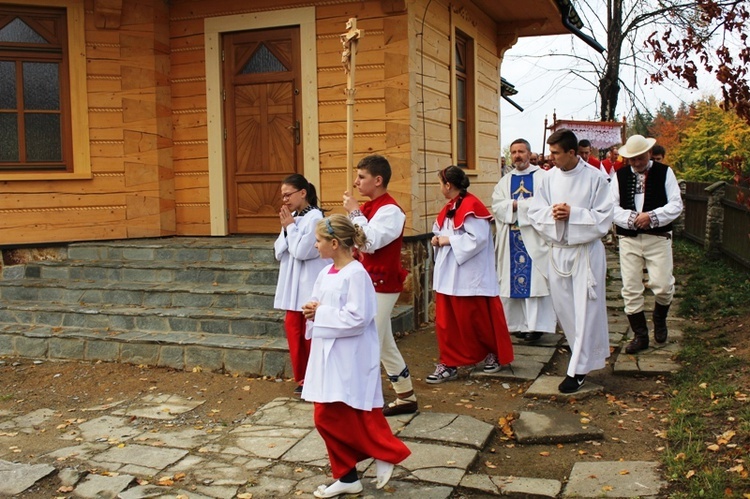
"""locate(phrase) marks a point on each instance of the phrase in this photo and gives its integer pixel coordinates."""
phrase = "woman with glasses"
(469, 318)
(300, 264)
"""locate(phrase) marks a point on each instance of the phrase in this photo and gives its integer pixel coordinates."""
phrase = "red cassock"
(470, 327)
(353, 435)
(299, 347)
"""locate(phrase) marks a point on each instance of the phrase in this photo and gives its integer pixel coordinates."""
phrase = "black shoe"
(298, 390)
(520, 335)
(395, 409)
(572, 384)
(531, 337)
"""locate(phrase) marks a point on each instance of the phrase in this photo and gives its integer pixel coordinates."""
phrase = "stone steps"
(179, 302)
(147, 294)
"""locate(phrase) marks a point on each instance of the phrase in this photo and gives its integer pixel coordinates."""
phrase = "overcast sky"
(545, 84)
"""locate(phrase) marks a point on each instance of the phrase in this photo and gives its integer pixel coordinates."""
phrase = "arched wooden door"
(261, 74)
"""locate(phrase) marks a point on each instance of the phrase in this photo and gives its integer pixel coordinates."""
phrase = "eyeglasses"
(289, 194)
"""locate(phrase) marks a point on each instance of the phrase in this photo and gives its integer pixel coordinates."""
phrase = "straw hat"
(636, 145)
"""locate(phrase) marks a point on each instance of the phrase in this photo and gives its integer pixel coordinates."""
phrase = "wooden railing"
(714, 218)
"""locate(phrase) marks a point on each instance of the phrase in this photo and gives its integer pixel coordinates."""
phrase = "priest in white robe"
(572, 209)
(522, 254)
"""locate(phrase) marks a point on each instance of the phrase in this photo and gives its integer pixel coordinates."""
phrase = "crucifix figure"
(350, 40)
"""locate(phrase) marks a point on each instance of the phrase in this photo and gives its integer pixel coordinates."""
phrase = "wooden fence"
(695, 199)
(714, 218)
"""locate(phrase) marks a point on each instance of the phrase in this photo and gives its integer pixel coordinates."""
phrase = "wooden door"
(261, 74)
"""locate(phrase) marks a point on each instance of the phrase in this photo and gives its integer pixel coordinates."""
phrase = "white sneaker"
(490, 364)
(442, 374)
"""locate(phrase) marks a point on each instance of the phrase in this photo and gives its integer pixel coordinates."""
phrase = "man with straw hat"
(647, 200)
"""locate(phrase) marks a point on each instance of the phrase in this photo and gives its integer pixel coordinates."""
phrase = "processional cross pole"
(350, 40)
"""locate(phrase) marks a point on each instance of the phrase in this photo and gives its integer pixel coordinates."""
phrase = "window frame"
(73, 99)
(464, 32)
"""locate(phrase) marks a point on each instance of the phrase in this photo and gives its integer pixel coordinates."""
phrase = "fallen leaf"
(65, 488)
(246, 495)
(713, 448)
(624, 472)
(689, 474)
(607, 488)
(490, 465)
(544, 453)
(737, 469)
(680, 456)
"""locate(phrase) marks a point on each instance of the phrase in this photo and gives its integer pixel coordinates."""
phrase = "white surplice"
(464, 268)
(577, 264)
(535, 313)
(299, 262)
(344, 362)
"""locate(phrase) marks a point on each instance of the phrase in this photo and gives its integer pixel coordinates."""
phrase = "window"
(42, 135)
(463, 102)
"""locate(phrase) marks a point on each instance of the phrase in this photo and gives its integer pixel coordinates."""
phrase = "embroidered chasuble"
(521, 186)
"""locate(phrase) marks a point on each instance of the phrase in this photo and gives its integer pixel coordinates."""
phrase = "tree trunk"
(609, 84)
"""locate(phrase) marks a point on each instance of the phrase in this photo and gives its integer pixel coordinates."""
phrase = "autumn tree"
(668, 126)
(709, 138)
(625, 24)
(716, 41)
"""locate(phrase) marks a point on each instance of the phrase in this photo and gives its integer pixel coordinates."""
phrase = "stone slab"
(552, 427)
(99, 486)
(614, 479)
(438, 463)
(15, 477)
(141, 455)
(514, 486)
(284, 412)
(545, 387)
(310, 450)
(269, 442)
(448, 429)
(162, 406)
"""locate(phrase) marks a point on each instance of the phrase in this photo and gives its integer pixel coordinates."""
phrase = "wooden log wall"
(431, 57)
(146, 86)
(131, 192)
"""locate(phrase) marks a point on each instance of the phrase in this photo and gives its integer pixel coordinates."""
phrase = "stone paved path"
(276, 452)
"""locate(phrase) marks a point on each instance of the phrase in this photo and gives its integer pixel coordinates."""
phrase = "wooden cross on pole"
(350, 40)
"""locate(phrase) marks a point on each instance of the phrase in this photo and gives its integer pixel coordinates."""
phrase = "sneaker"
(490, 364)
(442, 374)
(572, 384)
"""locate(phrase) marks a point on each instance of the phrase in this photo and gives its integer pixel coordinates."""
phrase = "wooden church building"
(149, 118)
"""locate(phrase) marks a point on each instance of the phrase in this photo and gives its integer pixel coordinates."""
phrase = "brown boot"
(660, 322)
(640, 332)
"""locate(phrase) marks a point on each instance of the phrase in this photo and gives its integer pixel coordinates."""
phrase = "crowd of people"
(341, 275)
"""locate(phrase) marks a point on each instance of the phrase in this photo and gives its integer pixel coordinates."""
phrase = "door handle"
(295, 128)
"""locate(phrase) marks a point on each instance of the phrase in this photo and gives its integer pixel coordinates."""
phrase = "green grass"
(705, 403)
(711, 288)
